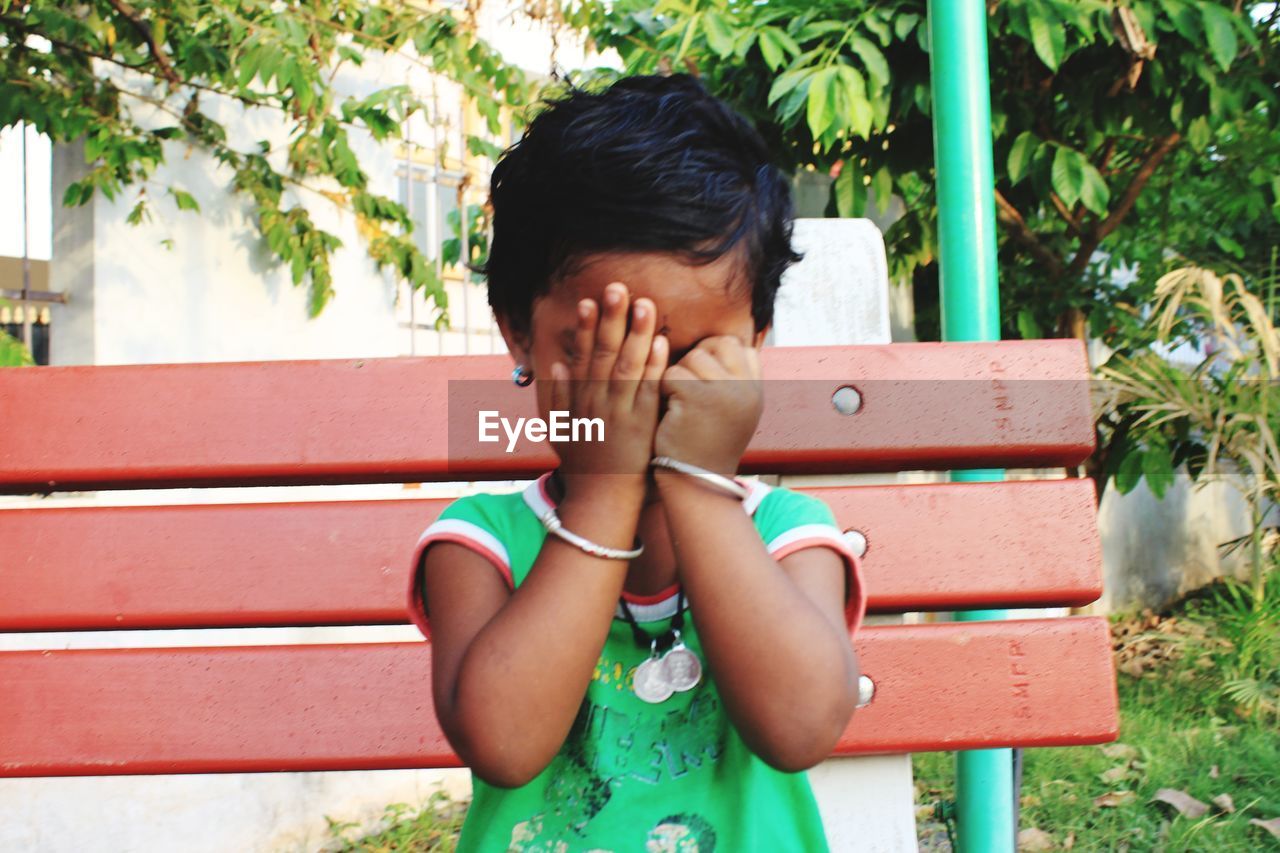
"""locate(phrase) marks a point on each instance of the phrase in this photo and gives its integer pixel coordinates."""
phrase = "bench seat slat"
(1026, 544)
(1009, 404)
(336, 707)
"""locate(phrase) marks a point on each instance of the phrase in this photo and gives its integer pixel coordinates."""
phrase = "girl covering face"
(639, 651)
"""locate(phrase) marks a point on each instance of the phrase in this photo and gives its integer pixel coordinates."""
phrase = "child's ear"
(518, 340)
(758, 340)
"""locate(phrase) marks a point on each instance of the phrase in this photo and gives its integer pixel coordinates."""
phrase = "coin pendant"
(650, 682)
(682, 668)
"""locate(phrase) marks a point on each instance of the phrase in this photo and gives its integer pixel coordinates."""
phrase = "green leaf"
(852, 110)
(1199, 134)
(821, 28)
(1094, 192)
(1028, 328)
(1157, 468)
(872, 58)
(1130, 471)
(1184, 19)
(878, 27)
(903, 24)
(720, 37)
(791, 105)
(1047, 35)
(74, 195)
(784, 40)
(882, 186)
(185, 200)
(138, 214)
(787, 82)
(249, 63)
(689, 31)
(821, 108)
(1221, 32)
(479, 147)
(1024, 147)
(774, 46)
(1068, 175)
(1230, 246)
(851, 194)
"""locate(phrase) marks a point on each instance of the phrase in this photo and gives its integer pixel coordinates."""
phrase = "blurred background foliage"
(1112, 125)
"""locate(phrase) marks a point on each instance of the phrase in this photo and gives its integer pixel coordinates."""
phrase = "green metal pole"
(970, 312)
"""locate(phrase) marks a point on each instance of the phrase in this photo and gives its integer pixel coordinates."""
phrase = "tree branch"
(1089, 243)
(1010, 216)
(1108, 150)
(1061, 206)
(131, 15)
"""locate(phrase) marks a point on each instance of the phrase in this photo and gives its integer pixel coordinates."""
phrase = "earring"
(522, 376)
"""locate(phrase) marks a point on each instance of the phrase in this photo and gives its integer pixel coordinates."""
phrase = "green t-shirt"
(635, 776)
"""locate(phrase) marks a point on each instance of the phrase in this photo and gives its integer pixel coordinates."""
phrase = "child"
(661, 648)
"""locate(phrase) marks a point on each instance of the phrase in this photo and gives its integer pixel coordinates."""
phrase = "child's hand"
(714, 401)
(614, 375)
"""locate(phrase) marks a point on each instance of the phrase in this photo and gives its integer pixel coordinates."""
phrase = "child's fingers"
(675, 377)
(704, 365)
(561, 395)
(657, 363)
(649, 393)
(634, 353)
(584, 339)
(728, 352)
(610, 332)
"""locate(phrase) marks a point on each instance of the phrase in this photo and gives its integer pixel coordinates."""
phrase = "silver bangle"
(738, 490)
(551, 522)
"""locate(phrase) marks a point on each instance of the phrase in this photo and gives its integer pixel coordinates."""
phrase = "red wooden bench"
(938, 686)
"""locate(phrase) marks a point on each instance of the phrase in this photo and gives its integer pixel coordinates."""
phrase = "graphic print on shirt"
(610, 747)
(681, 833)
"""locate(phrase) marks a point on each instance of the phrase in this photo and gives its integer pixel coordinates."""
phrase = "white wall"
(1155, 549)
(39, 206)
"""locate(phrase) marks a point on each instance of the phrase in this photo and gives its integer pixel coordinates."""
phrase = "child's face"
(692, 302)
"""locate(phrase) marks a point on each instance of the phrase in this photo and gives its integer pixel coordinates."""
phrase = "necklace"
(678, 670)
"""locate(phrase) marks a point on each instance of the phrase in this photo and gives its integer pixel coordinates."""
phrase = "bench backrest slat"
(1019, 404)
(345, 707)
(345, 562)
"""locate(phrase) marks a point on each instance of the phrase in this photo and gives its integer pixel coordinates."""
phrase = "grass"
(1185, 725)
(1181, 728)
(431, 828)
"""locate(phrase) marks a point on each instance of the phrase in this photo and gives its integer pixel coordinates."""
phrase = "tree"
(94, 70)
(12, 351)
(1094, 106)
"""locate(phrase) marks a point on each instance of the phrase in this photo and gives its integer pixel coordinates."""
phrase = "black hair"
(654, 164)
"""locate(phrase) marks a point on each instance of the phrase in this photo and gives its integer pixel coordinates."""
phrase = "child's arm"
(773, 632)
(509, 669)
